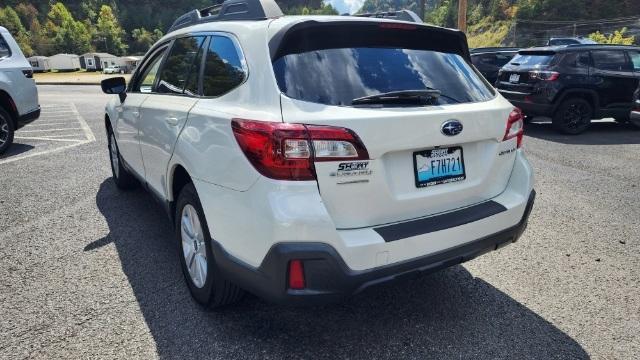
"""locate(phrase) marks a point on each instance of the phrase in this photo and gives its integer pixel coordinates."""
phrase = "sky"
(346, 6)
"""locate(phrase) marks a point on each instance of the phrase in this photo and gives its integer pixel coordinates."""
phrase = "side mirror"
(116, 85)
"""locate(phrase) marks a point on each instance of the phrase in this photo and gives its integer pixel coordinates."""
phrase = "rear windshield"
(532, 59)
(337, 76)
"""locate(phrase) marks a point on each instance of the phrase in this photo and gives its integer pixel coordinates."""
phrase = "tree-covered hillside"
(490, 22)
(117, 26)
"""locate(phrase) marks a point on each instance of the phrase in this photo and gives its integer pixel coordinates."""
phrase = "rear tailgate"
(386, 191)
(515, 76)
(320, 71)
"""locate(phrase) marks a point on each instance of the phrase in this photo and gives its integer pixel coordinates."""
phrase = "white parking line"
(46, 138)
(45, 124)
(61, 129)
(73, 116)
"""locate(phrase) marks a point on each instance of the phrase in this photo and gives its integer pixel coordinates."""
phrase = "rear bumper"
(28, 118)
(528, 107)
(328, 278)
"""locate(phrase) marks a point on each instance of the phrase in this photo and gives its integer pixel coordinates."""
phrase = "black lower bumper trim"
(329, 279)
(439, 222)
(28, 118)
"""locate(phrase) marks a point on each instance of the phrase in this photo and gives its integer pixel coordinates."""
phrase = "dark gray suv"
(573, 84)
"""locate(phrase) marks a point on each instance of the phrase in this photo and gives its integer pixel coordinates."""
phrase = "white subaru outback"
(18, 94)
(306, 158)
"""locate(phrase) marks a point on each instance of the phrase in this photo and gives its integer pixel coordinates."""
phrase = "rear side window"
(610, 60)
(181, 63)
(576, 59)
(635, 60)
(223, 69)
(532, 59)
(337, 76)
(5, 51)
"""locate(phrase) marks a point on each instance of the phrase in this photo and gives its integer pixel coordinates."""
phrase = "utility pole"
(462, 15)
(421, 9)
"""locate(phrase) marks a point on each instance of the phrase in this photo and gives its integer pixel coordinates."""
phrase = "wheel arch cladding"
(179, 178)
(589, 95)
(6, 102)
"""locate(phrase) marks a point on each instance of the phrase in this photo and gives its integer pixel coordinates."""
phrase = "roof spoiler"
(403, 15)
(224, 10)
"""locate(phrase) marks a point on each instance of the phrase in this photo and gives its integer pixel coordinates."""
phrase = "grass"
(75, 77)
(488, 32)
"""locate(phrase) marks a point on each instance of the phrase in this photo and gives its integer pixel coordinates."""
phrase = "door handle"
(172, 121)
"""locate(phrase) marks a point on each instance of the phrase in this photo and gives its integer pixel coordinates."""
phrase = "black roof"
(574, 47)
(497, 49)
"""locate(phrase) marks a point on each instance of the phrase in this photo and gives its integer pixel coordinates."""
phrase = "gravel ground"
(91, 272)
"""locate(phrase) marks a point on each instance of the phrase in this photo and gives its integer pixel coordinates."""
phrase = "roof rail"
(224, 10)
(404, 15)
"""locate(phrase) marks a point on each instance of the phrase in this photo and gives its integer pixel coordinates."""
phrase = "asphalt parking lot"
(91, 272)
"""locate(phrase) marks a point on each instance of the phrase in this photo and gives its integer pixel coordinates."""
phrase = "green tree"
(66, 34)
(109, 34)
(616, 38)
(10, 20)
(143, 39)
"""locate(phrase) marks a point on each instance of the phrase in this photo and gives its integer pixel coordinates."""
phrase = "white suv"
(306, 158)
(18, 94)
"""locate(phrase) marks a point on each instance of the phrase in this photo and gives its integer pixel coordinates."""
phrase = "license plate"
(514, 78)
(438, 166)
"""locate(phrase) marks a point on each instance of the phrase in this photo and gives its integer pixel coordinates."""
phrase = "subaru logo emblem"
(451, 127)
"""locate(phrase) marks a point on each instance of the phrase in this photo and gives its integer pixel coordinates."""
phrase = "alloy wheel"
(576, 115)
(4, 130)
(193, 245)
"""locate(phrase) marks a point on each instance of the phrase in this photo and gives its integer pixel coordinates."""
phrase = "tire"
(6, 131)
(209, 288)
(573, 116)
(121, 176)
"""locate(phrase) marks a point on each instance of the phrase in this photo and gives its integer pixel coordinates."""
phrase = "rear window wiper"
(421, 97)
(412, 97)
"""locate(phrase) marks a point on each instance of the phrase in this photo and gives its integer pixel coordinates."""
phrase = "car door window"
(224, 69)
(149, 73)
(635, 60)
(610, 60)
(5, 51)
(576, 59)
(181, 61)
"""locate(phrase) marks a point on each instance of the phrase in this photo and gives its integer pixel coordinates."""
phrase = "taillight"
(288, 151)
(544, 75)
(515, 126)
(28, 73)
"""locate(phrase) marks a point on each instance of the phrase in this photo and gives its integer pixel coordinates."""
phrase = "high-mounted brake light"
(397, 26)
(544, 75)
(288, 151)
(515, 126)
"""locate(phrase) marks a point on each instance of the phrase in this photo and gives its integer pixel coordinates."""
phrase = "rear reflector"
(288, 151)
(296, 275)
(515, 126)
